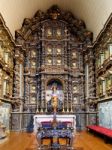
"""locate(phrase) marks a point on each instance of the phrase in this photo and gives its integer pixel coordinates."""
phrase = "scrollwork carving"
(76, 26)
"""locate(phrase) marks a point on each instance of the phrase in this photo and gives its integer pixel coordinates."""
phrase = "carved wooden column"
(1, 83)
(42, 94)
(6, 74)
(19, 75)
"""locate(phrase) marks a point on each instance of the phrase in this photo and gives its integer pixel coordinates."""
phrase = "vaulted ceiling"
(93, 12)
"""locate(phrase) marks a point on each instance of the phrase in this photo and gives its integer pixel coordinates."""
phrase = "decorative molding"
(76, 26)
(6, 28)
(103, 58)
(102, 32)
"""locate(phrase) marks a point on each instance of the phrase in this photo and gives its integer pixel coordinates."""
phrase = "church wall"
(6, 77)
(5, 110)
(105, 114)
(103, 69)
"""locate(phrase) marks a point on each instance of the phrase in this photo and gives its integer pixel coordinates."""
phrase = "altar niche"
(54, 95)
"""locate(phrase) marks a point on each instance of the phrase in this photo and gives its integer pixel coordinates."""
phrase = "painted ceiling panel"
(93, 12)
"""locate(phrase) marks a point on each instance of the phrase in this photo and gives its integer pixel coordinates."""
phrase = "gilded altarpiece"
(52, 46)
(6, 77)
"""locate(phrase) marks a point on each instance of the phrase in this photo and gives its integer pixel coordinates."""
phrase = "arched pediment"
(76, 26)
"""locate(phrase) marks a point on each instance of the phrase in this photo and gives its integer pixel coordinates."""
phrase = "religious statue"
(54, 98)
(54, 104)
(58, 32)
(49, 32)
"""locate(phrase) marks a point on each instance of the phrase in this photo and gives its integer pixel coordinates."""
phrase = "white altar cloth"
(60, 117)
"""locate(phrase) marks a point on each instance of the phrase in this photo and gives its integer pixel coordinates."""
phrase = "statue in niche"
(49, 50)
(58, 50)
(54, 104)
(49, 32)
(49, 61)
(54, 97)
(59, 62)
(58, 32)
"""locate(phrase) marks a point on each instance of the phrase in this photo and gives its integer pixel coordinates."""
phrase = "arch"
(55, 79)
(76, 26)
